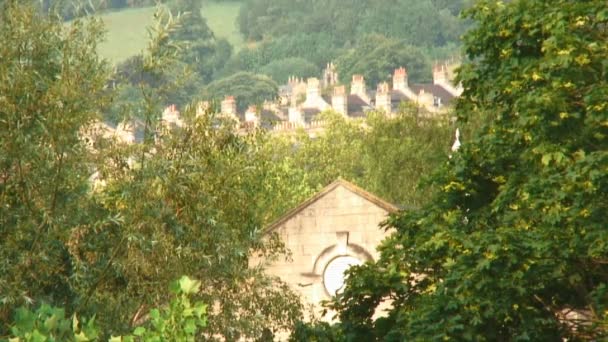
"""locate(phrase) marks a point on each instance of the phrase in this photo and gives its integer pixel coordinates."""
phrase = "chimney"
(295, 116)
(202, 108)
(313, 96)
(228, 106)
(330, 75)
(440, 74)
(339, 100)
(292, 81)
(251, 116)
(171, 116)
(440, 78)
(383, 98)
(312, 88)
(357, 87)
(400, 79)
(425, 99)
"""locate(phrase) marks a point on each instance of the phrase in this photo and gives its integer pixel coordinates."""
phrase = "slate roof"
(310, 113)
(434, 89)
(356, 106)
(268, 119)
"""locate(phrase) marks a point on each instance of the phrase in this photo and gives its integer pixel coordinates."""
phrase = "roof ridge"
(320, 194)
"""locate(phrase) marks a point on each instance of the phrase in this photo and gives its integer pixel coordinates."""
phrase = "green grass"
(127, 35)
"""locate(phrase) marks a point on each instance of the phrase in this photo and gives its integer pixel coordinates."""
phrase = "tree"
(375, 57)
(51, 85)
(513, 246)
(387, 156)
(202, 51)
(246, 87)
(101, 228)
(280, 70)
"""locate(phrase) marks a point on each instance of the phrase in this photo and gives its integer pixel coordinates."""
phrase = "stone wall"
(342, 220)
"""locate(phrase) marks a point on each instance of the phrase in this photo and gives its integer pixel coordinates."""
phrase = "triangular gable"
(331, 187)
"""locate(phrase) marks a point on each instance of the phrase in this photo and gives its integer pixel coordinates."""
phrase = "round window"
(333, 277)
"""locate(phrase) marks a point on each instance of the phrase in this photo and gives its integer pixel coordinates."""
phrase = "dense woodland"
(504, 239)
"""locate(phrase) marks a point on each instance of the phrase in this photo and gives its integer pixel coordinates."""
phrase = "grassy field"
(127, 36)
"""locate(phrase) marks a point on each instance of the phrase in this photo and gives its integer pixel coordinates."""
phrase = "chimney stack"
(383, 98)
(330, 75)
(313, 96)
(313, 89)
(425, 99)
(440, 78)
(357, 87)
(202, 108)
(400, 81)
(228, 106)
(440, 73)
(295, 116)
(171, 116)
(251, 116)
(339, 100)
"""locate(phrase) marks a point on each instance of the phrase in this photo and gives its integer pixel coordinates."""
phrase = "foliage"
(376, 56)
(316, 332)
(99, 227)
(50, 324)
(200, 56)
(181, 320)
(201, 50)
(512, 247)
(400, 153)
(387, 156)
(317, 48)
(246, 87)
(126, 34)
(367, 37)
(69, 9)
(415, 21)
(51, 85)
(280, 70)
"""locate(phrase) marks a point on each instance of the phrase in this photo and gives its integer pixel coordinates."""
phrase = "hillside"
(126, 29)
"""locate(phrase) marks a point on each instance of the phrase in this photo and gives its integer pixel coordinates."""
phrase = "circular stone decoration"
(333, 277)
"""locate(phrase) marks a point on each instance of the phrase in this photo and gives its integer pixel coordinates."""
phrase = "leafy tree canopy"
(388, 156)
(376, 56)
(280, 70)
(246, 87)
(513, 246)
(95, 226)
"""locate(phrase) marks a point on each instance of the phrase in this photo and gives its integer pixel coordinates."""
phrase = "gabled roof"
(340, 182)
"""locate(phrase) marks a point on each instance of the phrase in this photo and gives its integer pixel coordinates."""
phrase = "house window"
(437, 101)
(333, 276)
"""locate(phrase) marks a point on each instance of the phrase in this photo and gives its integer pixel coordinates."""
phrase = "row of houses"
(299, 102)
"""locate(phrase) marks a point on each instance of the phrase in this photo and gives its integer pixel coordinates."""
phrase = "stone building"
(336, 228)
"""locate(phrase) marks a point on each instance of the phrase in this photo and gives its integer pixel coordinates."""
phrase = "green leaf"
(154, 314)
(190, 327)
(81, 337)
(139, 331)
(51, 322)
(37, 336)
(200, 309)
(189, 286)
(75, 323)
